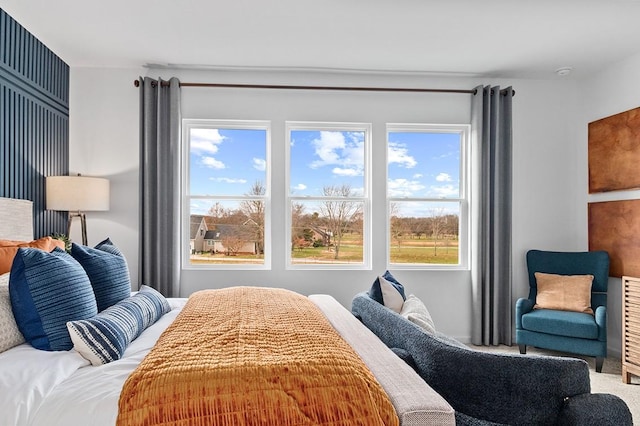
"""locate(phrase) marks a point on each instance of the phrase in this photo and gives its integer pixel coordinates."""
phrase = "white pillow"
(10, 336)
(416, 312)
(390, 295)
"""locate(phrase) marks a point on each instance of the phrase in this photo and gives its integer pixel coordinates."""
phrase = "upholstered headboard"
(16, 219)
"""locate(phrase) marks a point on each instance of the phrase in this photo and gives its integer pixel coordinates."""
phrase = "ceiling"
(495, 38)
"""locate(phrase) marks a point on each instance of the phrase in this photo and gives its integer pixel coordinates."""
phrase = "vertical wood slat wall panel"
(34, 121)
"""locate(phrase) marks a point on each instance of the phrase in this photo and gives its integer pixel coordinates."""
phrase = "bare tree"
(217, 211)
(396, 225)
(233, 244)
(438, 224)
(338, 213)
(297, 230)
(254, 210)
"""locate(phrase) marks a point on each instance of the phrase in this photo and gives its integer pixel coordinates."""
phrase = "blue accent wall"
(34, 121)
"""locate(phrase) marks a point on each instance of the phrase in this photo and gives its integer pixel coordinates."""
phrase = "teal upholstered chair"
(564, 331)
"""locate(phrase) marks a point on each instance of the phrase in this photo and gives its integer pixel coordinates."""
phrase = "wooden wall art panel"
(614, 152)
(614, 226)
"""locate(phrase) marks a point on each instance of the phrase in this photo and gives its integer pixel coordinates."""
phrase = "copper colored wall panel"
(614, 152)
(614, 226)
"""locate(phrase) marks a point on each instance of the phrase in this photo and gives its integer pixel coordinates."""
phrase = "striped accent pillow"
(107, 270)
(105, 337)
(47, 290)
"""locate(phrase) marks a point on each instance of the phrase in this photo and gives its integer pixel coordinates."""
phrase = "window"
(427, 192)
(226, 194)
(328, 195)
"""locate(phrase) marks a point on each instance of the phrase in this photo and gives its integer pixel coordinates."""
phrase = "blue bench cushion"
(561, 323)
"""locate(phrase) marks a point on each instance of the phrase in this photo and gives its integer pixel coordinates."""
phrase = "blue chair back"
(595, 263)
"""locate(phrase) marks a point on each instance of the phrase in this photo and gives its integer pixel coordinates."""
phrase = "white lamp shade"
(77, 193)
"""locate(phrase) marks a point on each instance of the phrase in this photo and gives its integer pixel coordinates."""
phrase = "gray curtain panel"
(160, 122)
(491, 137)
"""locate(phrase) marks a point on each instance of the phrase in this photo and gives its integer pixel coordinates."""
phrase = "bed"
(43, 387)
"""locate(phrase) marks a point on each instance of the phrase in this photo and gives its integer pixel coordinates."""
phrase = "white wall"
(103, 141)
(613, 90)
(547, 171)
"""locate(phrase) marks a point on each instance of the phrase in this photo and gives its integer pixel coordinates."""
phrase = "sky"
(421, 164)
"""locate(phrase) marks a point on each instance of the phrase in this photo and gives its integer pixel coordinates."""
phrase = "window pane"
(226, 232)
(322, 161)
(424, 232)
(423, 165)
(226, 161)
(326, 232)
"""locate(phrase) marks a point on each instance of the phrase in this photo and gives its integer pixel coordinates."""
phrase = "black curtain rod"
(328, 88)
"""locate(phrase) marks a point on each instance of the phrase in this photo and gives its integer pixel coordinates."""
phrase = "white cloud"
(342, 149)
(228, 180)
(260, 164)
(326, 148)
(212, 163)
(404, 187)
(346, 172)
(398, 153)
(300, 187)
(205, 140)
(444, 191)
(443, 177)
(417, 176)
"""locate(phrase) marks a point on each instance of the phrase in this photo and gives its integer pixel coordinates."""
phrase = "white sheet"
(42, 388)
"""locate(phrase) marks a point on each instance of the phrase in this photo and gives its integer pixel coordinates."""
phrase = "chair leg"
(599, 362)
(523, 349)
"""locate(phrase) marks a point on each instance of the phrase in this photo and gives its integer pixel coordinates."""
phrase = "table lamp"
(76, 195)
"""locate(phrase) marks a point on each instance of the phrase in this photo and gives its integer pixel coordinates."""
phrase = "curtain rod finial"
(136, 83)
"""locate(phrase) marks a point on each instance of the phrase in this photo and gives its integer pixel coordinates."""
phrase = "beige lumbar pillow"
(564, 292)
(415, 311)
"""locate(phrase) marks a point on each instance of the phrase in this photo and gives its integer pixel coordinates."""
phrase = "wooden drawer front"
(631, 320)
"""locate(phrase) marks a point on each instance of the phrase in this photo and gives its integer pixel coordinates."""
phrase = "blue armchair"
(566, 331)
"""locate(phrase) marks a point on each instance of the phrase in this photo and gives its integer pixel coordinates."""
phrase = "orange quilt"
(252, 356)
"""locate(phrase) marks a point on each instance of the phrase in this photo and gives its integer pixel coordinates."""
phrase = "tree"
(338, 213)
(297, 211)
(254, 209)
(438, 224)
(397, 226)
(217, 211)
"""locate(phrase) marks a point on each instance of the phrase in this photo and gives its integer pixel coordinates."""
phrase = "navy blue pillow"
(376, 293)
(47, 290)
(107, 270)
(105, 337)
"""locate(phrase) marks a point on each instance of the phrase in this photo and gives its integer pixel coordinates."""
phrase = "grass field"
(410, 251)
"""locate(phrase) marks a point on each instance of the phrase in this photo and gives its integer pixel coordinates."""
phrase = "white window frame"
(367, 128)
(464, 227)
(187, 125)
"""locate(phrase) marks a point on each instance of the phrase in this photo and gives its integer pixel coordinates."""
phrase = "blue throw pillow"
(107, 270)
(47, 290)
(388, 283)
(105, 337)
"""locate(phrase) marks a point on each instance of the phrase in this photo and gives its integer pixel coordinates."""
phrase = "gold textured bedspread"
(252, 356)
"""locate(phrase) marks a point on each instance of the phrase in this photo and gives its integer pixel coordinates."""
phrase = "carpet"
(609, 381)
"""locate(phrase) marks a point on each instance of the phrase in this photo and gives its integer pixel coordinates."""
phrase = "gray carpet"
(609, 381)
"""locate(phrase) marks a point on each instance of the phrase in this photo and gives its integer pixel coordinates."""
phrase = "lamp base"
(83, 223)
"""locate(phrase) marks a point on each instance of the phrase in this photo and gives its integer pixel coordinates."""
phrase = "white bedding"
(39, 388)
(62, 388)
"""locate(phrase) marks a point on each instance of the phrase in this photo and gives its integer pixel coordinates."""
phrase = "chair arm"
(596, 409)
(502, 388)
(523, 306)
(600, 316)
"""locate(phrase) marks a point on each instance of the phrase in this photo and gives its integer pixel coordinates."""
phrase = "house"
(551, 112)
(205, 235)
